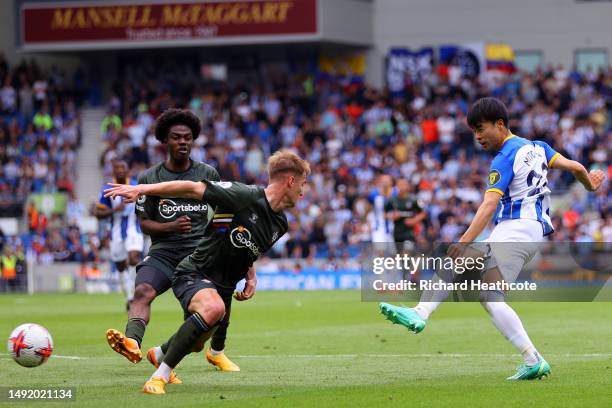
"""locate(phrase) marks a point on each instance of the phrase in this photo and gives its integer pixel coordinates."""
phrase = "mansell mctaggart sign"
(91, 23)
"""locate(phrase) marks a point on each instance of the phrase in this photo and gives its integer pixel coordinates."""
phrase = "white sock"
(509, 324)
(127, 278)
(430, 300)
(215, 352)
(159, 354)
(424, 309)
(124, 281)
(162, 372)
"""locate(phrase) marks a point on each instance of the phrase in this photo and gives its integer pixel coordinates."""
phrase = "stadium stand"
(39, 143)
(353, 133)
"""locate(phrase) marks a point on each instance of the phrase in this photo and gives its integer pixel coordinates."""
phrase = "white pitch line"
(369, 355)
(56, 356)
(422, 355)
(73, 357)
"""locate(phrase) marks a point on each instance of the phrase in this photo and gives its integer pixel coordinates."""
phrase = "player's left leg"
(127, 347)
(124, 345)
(150, 282)
(215, 355)
(415, 319)
(508, 323)
(207, 309)
(510, 258)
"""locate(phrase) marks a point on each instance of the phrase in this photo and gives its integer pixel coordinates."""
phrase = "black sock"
(217, 342)
(185, 338)
(135, 329)
(164, 347)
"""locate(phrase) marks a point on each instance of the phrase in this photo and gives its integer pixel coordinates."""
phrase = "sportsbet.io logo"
(168, 208)
(241, 238)
(140, 202)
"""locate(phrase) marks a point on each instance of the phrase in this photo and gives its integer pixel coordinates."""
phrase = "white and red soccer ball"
(30, 345)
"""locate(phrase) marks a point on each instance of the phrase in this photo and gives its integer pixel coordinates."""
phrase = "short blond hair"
(285, 161)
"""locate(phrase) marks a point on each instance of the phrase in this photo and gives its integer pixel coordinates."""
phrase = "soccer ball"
(30, 345)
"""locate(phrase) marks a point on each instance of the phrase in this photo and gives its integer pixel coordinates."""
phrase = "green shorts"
(186, 286)
(165, 259)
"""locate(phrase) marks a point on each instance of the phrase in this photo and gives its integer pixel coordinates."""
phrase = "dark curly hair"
(172, 117)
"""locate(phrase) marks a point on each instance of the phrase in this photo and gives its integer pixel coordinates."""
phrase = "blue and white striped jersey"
(123, 222)
(382, 228)
(518, 172)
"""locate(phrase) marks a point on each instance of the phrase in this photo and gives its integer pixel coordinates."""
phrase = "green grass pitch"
(315, 349)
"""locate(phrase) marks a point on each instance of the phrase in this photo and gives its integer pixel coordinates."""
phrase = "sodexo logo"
(241, 238)
(168, 208)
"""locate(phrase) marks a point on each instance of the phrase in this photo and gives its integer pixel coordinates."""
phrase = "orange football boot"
(125, 346)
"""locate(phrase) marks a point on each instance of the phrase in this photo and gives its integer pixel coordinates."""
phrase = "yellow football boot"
(221, 361)
(155, 386)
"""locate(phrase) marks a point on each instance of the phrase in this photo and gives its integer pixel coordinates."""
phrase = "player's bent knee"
(212, 311)
(215, 312)
(144, 293)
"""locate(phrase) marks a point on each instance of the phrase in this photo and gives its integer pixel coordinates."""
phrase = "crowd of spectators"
(39, 141)
(350, 132)
(353, 133)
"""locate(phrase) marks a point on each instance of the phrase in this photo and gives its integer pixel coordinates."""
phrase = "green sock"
(135, 329)
(185, 338)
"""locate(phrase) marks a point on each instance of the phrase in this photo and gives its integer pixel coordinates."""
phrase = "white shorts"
(119, 249)
(512, 244)
(381, 236)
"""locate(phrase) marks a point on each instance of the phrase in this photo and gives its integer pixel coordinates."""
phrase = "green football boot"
(527, 372)
(403, 315)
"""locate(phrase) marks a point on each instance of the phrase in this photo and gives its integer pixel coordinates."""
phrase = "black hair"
(172, 117)
(487, 110)
(119, 160)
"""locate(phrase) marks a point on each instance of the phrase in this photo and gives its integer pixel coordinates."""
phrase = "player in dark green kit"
(249, 221)
(175, 225)
(406, 212)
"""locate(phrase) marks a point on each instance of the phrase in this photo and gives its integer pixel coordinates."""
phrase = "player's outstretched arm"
(590, 180)
(176, 188)
(482, 217)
